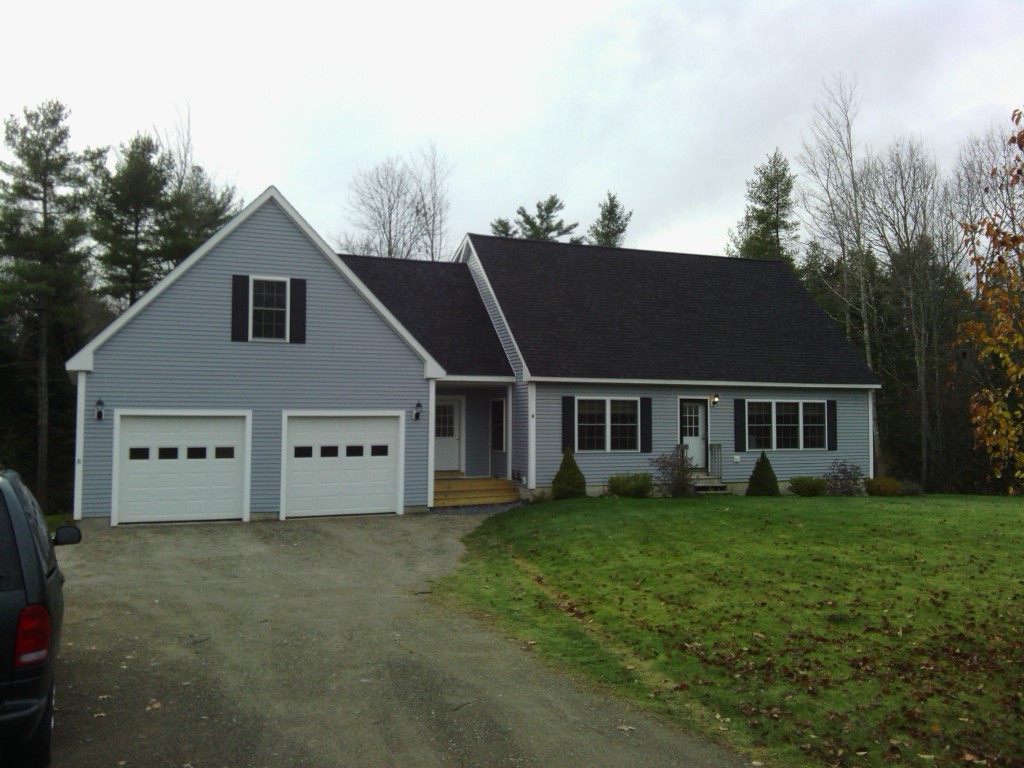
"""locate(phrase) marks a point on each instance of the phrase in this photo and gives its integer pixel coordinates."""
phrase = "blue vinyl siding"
(178, 354)
(598, 466)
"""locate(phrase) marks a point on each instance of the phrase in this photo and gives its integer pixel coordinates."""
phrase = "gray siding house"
(267, 374)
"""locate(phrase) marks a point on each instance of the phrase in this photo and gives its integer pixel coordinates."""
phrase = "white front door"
(693, 430)
(447, 435)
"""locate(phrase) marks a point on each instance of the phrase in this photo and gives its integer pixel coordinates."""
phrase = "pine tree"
(544, 225)
(610, 228)
(44, 195)
(127, 219)
(768, 229)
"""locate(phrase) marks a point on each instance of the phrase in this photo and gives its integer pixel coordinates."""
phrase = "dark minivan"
(31, 612)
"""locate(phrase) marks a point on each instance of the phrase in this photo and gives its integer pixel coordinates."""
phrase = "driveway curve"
(314, 643)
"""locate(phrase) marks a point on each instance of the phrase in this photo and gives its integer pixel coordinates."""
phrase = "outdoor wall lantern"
(99, 410)
(417, 410)
(714, 400)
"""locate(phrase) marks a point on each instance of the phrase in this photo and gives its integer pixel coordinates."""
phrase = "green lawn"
(860, 632)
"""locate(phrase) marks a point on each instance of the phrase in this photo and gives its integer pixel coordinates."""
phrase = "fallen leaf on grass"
(153, 704)
(626, 728)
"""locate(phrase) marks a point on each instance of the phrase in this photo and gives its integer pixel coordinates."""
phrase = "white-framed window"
(786, 425)
(268, 308)
(607, 424)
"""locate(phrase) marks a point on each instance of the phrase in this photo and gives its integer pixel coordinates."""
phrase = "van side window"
(37, 524)
(10, 567)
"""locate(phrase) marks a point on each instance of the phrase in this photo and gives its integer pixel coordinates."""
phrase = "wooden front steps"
(704, 483)
(453, 490)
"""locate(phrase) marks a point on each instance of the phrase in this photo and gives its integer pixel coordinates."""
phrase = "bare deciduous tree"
(833, 197)
(400, 208)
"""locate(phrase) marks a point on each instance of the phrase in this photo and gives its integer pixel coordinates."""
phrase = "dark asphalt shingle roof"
(590, 312)
(438, 303)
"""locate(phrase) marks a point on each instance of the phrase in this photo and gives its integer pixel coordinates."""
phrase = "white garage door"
(181, 468)
(341, 465)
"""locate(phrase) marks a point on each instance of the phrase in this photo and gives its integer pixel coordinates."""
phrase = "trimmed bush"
(762, 480)
(634, 485)
(844, 479)
(808, 486)
(569, 482)
(882, 486)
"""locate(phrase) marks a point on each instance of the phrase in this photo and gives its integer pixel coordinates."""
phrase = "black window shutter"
(297, 312)
(646, 424)
(832, 421)
(569, 423)
(239, 307)
(740, 424)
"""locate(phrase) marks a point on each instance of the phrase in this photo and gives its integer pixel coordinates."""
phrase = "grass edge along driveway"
(826, 631)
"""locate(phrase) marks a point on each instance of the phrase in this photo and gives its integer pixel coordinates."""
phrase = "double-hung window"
(786, 425)
(265, 308)
(269, 314)
(607, 424)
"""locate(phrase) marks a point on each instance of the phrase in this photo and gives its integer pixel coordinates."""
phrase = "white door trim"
(400, 415)
(116, 473)
(705, 404)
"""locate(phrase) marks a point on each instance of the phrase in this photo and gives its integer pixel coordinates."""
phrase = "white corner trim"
(531, 431)
(80, 385)
(871, 434)
(431, 403)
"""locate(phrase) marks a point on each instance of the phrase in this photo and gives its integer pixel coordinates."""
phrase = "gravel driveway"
(313, 643)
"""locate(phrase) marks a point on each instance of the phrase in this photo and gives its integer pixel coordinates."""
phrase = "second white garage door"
(341, 465)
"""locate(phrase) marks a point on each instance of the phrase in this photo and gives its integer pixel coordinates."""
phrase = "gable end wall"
(177, 354)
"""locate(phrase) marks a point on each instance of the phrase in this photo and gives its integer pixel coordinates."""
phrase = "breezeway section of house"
(267, 374)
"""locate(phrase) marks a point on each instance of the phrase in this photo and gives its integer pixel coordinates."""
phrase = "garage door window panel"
(224, 452)
(353, 451)
(167, 453)
(303, 451)
(328, 451)
(138, 454)
(198, 452)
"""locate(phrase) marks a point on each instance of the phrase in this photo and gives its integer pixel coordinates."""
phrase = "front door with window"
(693, 430)
(447, 435)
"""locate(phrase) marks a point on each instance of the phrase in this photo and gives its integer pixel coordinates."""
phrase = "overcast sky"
(668, 104)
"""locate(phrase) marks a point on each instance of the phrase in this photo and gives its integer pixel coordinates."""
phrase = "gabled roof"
(83, 359)
(587, 312)
(440, 305)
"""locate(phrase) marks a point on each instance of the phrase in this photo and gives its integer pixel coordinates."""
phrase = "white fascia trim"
(246, 469)
(531, 431)
(83, 360)
(394, 414)
(452, 379)
(687, 383)
(497, 305)
(80, 383)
